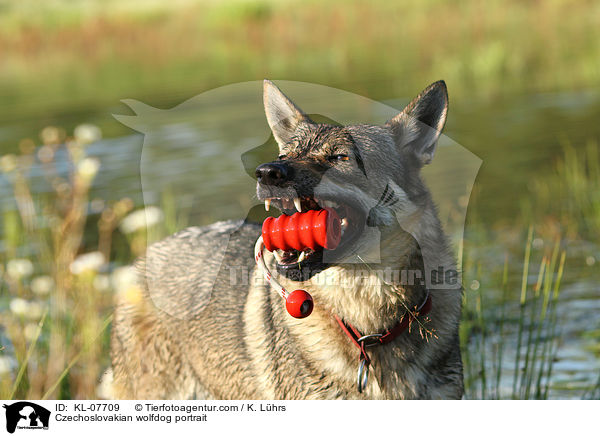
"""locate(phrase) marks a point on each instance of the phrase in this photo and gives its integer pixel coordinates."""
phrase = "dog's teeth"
(286, 203)
(267, 204)
(278, 257)
(298, 204)
(301, 257)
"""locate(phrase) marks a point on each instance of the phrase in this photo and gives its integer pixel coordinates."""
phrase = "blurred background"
(524, 84)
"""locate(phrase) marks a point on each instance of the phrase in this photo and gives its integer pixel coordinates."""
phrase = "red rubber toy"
(312, 229)
(299, 304)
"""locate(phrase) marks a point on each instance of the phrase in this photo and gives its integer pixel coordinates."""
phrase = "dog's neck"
(374, 296)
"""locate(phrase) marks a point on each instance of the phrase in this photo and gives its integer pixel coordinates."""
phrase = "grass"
(93, 54)
(60, 307)
(489, 373)
(503, 313)
(523, 314)
(63, 263)
(573, 195)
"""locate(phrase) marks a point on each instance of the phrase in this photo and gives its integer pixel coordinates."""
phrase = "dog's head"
(369, 174)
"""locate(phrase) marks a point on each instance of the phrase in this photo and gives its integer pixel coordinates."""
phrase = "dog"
(378, 330)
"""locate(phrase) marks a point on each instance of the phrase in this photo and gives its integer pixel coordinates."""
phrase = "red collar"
(362, 341)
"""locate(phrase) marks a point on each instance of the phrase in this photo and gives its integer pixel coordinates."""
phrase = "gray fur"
(193, 332)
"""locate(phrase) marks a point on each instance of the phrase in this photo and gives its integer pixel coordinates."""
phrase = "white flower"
(87, 262)
(102, 282)
(87, 133)
(8, 163)
(6, 364)
(45, 153)
(32, 310)
(19, 306)
(88, 168)
(30, 331)
(537, 243)
(19, 268)
(42, 285)
(140, 219)
(126, 287)
(97, 205)
(124, 278)
(51, 135)
(35, 310)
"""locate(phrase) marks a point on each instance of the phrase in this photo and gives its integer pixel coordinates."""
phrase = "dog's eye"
(339, 157)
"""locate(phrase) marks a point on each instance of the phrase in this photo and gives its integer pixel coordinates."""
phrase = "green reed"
(535, 331)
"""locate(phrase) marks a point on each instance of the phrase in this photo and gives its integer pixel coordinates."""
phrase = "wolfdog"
(198, 329)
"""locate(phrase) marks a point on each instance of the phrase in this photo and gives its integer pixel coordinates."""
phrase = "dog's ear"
(417, 128)
(283, 116)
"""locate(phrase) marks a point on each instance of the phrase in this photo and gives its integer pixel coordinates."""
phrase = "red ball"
(299, 304)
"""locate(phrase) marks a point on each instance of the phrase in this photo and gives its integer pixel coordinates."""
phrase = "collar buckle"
(370, 340)
(364, 341)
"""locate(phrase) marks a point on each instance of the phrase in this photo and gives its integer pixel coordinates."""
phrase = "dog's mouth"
(300, 265)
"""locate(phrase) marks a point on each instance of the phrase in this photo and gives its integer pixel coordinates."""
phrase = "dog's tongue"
(314, 229)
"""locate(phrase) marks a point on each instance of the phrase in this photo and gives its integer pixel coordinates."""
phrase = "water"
(204, 152)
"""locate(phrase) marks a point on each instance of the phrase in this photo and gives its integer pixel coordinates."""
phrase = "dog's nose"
(273, 173)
